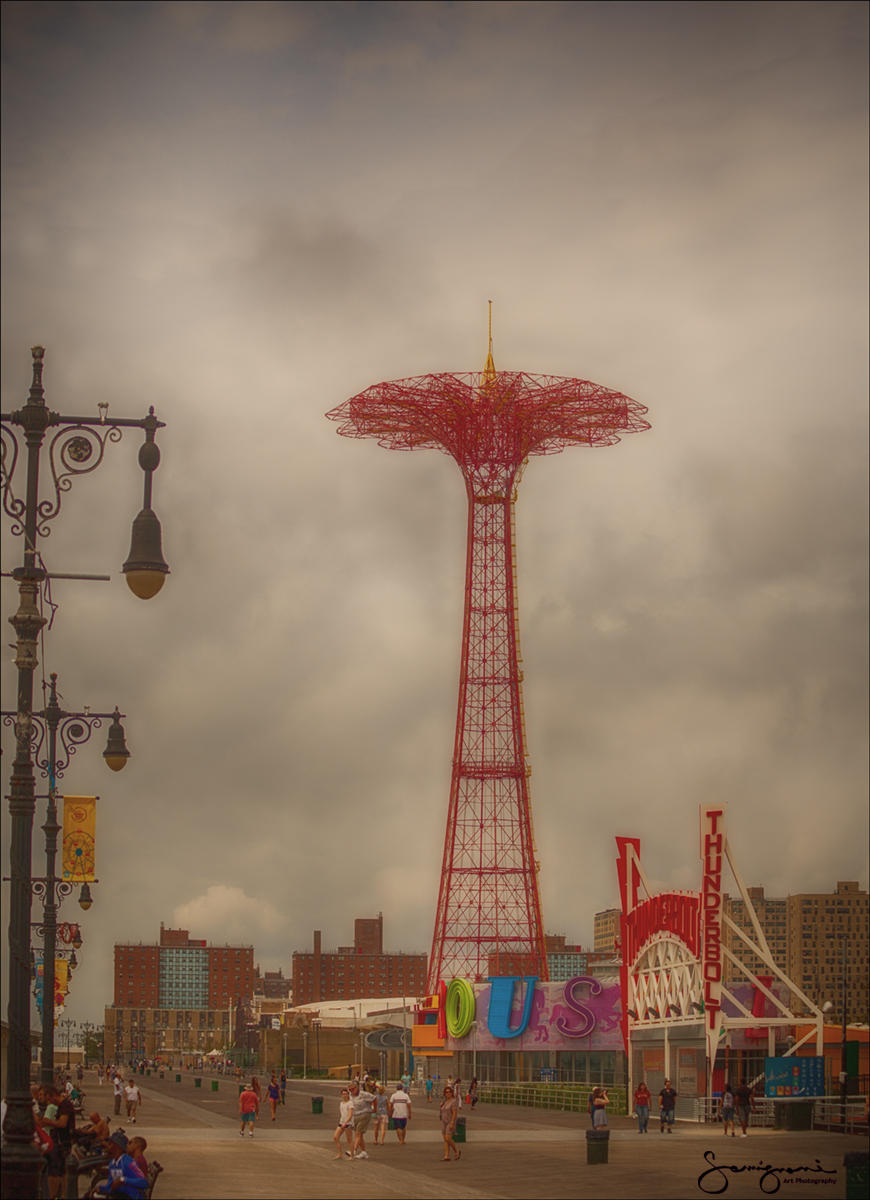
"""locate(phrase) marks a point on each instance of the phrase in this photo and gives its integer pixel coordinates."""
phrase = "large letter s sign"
(588, 1019)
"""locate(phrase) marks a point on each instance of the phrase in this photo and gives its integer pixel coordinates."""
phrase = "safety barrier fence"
(561, 1097)
(820, 1112)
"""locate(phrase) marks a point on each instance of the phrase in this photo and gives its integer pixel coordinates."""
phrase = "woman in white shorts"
(344, 1128)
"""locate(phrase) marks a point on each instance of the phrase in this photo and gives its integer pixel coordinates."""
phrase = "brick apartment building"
(360, 971)
(177, 995)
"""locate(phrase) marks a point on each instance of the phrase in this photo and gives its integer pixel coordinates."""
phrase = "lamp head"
(85, 897)
(146, 568)
(116, 752)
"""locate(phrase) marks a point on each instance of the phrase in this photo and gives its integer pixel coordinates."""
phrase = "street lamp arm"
(74, 729)
(16, 418)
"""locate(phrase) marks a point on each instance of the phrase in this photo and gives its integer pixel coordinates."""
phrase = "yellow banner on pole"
(79, 828)
(61, 986)
(61, 980)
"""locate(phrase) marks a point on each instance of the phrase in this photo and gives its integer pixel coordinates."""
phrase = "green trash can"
(459, 1131)
(241, 1088)
(197, 1083)
(148, 1072)
(317, 1104)
(178, 1079)
(857, 1164)
(214, 1085)
(391, 1124)
(597, 1143)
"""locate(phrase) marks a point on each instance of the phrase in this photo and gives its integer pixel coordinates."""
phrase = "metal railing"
(561, 1097)
(827, 1112)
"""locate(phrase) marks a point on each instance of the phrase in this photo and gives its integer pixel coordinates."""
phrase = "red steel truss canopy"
(488, 920)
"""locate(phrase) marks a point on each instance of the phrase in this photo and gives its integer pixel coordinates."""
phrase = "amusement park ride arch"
(673, 957)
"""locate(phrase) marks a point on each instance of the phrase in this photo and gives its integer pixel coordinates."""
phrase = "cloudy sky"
(244, 214)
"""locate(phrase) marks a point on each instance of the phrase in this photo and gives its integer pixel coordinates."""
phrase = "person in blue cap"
(126, 1181)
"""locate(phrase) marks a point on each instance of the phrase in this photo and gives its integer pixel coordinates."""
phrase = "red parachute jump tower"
(488, 920)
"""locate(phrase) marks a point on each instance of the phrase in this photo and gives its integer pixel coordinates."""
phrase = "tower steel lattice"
(488, 918)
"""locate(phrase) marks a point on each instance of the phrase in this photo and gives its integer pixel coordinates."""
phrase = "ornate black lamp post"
(77, 448)
(69, 1025)
(73, 729)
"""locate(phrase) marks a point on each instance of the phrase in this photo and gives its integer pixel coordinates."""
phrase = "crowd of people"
(62, 1130)
(364, 1104)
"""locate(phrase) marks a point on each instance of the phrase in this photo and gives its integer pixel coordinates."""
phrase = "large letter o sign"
(459, 1007)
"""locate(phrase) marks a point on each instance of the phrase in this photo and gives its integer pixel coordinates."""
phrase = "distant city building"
(805, 934)
(182, 973)
(606, 931)
(168, 1033)
(819, 926)
(360, 971)
(177, 996)
(773, 919)
(272, 985)
(564, 961)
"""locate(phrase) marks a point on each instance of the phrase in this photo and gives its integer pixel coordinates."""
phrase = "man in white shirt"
(399, 1107)
(117, 1092)
(134, 1098)
(363, 1106)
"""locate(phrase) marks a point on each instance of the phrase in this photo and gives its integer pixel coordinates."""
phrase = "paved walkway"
(510, 1153)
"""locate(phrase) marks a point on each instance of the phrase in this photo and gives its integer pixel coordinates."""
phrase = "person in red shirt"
(136, 1149)
(249, 1108)
(642, 1097)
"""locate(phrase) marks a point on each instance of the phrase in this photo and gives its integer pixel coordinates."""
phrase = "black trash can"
(317, 1104)
(799, 1115)
(197, 1083)
(857, 1164)
(597, 1143)
(459, 1131)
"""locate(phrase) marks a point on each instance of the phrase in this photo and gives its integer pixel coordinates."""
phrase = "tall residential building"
(360, 971)
(820, 926)
(606, 931)
(772, 917)
(175, 996)
(181, 972)
(805, 934)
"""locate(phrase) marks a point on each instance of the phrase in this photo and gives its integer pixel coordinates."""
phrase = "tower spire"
(489, 367)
